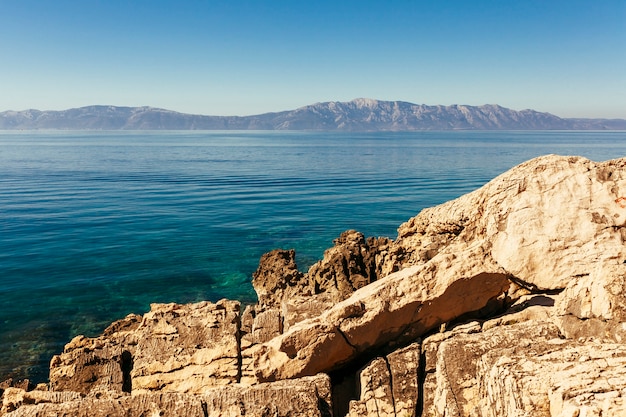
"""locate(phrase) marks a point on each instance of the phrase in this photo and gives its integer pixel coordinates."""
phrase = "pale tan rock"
(404, 367)
(430, 348)
(14, 398)
(558, 378)
(181, 348)
(88, 364)
(413, 301)
(376, 392)
(389, 386)
(457, 389)
(307, 397)
(277, 278)
(546, 221)
(300, 308)
(595, 305)
(533, 307)
(267, 325)
(521, 369)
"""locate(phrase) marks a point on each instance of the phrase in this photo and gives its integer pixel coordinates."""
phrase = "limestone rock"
(88, 364)
(15, 398)
(277, 278)
(520, 365)
(307, 397)
(376, 391)
(350, 264)
(545, 240)
(267, 325)
(389, 386)
(555, 378)
(546, 221)
(595, 305)
(457, 391)
(300, 308)
(412, 301)
(181, 348)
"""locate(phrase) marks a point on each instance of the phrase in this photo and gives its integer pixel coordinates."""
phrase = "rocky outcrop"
(508, 301)
(277, 279)
(307, 397)
(352, 263)
(546, 222)
(389, 310)
(180, 348)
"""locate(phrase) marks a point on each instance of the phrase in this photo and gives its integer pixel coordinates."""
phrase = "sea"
(95, 225)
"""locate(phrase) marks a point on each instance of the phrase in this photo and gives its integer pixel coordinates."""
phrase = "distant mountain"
(356, 115)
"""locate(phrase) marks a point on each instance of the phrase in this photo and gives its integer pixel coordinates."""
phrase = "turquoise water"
(96, 225)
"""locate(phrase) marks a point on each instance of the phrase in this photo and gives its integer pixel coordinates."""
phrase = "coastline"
(526, 270)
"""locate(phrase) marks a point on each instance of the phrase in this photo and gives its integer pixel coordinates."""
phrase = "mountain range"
(357, 115)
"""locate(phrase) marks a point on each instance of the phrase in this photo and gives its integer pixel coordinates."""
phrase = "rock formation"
(508, 301)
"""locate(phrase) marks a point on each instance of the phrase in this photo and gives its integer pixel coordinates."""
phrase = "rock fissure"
(345, 338)
(456, 409)
(391, 384)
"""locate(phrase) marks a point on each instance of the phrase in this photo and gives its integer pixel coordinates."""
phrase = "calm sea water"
(96, 225)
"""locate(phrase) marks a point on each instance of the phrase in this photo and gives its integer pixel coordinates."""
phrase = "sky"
(237, 57)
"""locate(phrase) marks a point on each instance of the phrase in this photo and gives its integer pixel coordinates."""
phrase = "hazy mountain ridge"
(356, 115)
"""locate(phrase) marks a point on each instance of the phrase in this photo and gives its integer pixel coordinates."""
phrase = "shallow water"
(96, 225)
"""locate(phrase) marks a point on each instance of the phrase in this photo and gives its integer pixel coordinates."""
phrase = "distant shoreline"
(359, 115)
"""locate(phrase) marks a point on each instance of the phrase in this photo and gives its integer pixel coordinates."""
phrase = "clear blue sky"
(235, 57)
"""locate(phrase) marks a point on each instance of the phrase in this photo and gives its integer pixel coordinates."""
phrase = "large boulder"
(594, 305)
(543, 225)
(546, 222)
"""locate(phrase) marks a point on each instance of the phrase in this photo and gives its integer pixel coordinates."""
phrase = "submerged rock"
(508, 301)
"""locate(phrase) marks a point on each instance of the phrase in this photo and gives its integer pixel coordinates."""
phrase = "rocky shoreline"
(508, 301)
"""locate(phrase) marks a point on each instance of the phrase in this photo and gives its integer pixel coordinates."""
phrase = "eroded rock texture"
(181, 348)
(306, 397)
(547, 221)
(508, 301)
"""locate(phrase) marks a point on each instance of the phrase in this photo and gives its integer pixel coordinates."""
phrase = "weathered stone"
(404, 366)
(88, 364)
(182, 348)
(457, 392)
(553, 378)
(376, 391)
(420, 297)
(267, 325)
(595, 305)
(546, 221)
(430, 348)
(278, 278)
(300, 308)
(349, 265)
(14, 398)
(306, 397)
(389, 386)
